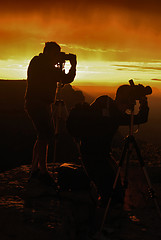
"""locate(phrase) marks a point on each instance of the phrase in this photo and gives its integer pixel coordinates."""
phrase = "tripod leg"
(126, 146)
(93, 195)
(110, 198)
(152, 193)
(115, 183)
(60, 114)
(55, 143)
(129, 152)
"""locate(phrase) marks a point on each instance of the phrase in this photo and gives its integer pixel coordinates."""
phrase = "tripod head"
(60, 85)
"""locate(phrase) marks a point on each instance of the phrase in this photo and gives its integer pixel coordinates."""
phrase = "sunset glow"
(114, 40)
(76, 134)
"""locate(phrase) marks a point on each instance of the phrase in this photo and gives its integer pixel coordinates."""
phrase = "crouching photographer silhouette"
(95, 125)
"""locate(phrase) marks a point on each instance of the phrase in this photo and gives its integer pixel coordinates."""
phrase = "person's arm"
(69, 77)
(142, 116)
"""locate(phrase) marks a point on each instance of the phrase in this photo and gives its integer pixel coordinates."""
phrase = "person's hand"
(140, 85)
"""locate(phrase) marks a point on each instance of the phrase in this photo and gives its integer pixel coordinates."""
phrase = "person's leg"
(42, 122)
(35, 158)
(39, 163)
(39, 160)
(104, 175)
(50, 152)
(102, 172)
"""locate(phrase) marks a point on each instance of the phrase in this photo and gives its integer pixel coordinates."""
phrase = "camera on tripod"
(128, 94)
(138, 91)
(64, 56)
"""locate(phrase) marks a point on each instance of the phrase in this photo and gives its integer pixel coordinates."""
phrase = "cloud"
(91, 49)
(156, 79)
(136, 67)
(111, 30)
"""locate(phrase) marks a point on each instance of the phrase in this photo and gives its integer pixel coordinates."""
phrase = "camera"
(138, 91)
(64, 57)
(128, 94)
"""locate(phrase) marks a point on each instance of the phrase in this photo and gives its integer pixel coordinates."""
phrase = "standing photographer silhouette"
(44, 72)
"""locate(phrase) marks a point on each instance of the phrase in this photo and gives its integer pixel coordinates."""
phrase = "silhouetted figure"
(95, 126)
(71, 96)
(43, 73)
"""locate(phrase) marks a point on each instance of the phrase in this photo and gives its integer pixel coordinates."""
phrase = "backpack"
(72, 177)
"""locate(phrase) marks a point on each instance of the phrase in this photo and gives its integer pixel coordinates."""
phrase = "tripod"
(60, 114)
(130, 143)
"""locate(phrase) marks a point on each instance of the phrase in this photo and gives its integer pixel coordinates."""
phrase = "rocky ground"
(35, 213)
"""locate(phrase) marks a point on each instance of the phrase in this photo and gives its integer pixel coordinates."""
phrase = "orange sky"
(120, 30)
(97, 31)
